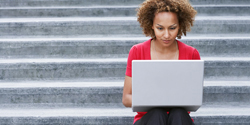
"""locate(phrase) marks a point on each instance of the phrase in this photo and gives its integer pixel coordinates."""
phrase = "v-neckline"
(150, 49)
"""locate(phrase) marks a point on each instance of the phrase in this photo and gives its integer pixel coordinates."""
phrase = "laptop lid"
(167, 84)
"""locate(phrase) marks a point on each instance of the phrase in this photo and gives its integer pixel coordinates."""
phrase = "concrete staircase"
(63, 61)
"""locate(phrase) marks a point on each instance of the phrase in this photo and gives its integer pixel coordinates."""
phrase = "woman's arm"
(196, 55)
(127, 92)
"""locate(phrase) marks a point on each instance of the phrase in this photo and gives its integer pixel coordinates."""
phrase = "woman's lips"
(166, 41)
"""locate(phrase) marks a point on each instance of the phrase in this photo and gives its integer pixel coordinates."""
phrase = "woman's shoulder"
(185, 46)
(142, 45)
(141, 50)
(188, 52)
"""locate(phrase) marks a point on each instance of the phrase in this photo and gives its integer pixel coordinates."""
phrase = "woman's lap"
(157, 116)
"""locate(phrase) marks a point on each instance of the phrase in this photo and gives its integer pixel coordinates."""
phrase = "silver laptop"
(167, 84)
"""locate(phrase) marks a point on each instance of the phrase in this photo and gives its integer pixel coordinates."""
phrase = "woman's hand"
(127, 92)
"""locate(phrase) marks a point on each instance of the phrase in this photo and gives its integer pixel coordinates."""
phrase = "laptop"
(167, 84)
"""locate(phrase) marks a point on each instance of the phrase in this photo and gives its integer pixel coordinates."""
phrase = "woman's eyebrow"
(169, 26)
(173, 25)
(159, 24)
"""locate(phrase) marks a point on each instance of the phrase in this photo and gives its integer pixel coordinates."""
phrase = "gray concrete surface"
(106, 94)
(208, 116)
(52, 3)
(110, 47)
(53, 68)
(119, 26)
(61, 69)
(113, 11)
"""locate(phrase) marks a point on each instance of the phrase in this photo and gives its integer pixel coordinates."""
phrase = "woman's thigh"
(155, 116)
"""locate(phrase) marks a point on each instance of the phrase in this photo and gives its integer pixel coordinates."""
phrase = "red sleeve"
(131, 56)
(196, 55)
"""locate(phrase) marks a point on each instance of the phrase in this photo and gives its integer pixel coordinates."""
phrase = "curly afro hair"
(185, 13)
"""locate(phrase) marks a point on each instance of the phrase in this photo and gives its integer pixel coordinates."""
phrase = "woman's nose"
(166, 34)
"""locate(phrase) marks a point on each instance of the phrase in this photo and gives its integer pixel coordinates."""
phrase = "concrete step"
(113, 11)
(113, 47)
(97, 11)
(236, 115)
(219, 2)
(58, 3)
(124, 116)
(216, 68)
(65, 94)
(52, 3)
(106, 94)
(75, 27)
(222, 10)
(73, 116)
(225, 93)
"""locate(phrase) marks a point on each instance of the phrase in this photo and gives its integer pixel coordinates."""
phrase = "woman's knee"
(153, 117)
(158, 112)
(179, 116)
(178, 112)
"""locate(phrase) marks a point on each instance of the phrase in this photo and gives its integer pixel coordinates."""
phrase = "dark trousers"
(157, 116)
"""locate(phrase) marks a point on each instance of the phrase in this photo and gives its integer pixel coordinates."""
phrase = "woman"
(163, 20)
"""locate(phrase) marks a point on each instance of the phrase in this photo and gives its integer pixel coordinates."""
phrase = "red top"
(141, 51)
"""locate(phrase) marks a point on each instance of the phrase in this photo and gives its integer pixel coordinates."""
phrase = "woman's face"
(166, 27)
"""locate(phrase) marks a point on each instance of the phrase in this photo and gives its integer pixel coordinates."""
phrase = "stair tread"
(116, 6)
(115, 112)
(75, 19)
(103, 60)
(120, 83)
(118, 38)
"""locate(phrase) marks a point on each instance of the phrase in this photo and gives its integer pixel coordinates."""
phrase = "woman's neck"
(163, 49)
(164, 53)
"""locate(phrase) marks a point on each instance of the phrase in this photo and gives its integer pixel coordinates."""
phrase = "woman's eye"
(173, 28)
(159, 28)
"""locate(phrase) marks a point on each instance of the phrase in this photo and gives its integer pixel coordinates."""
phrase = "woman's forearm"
(127, 100)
